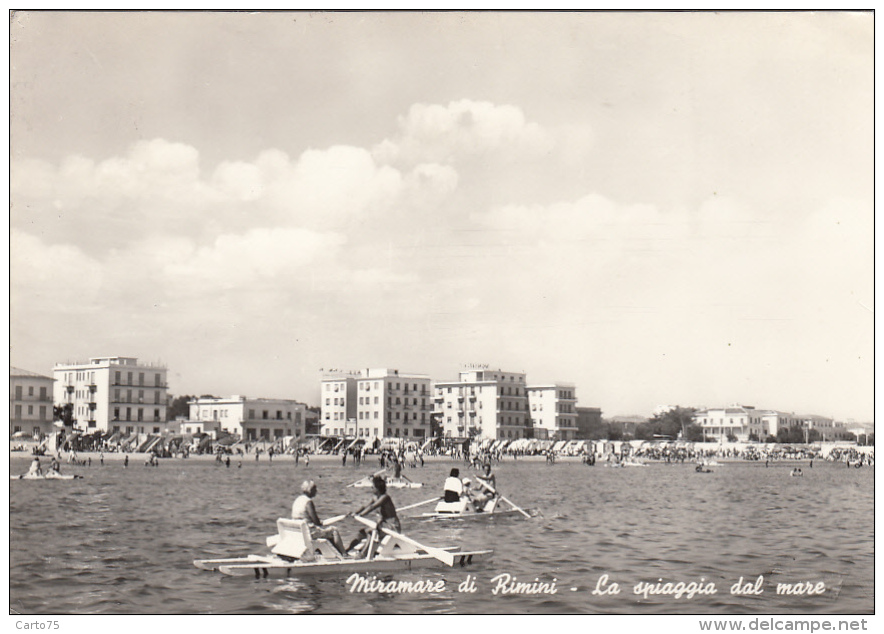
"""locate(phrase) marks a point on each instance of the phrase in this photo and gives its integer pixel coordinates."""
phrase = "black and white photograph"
(441, 313)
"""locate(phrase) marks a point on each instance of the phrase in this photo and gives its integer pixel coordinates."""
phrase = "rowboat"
(464, 510)
(294, 552)
(46, 476)
(392, 483)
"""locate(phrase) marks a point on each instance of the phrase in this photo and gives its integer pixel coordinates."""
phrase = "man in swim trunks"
(304, 509)
(386, 510)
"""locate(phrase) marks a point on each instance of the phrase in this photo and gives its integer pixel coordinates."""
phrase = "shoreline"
(134, 457)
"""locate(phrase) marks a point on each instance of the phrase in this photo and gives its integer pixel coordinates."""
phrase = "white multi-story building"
(115, 394)
(377, 403)
(337, 404)
(30, 402)
(485, 404)
(553, 411)
(248, 418)
(743, 422)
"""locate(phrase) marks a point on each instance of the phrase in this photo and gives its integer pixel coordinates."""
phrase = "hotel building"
(485, 404)
(113, 394)
(377, 403)
(249, 418)
(553, 411)
(30, 402)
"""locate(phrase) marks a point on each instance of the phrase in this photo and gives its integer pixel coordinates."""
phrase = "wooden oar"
(442, 555)
(411, 506)
(491, 488)
(332, 520)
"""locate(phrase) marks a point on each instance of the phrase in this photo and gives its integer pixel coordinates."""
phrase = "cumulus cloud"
(432, 133)
(251, 259)
(51, 278)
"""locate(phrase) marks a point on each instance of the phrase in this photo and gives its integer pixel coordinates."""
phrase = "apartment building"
(484, 404)
(30, 403)
(377, 403)
(553, 410)
(113, 394)
(249, 418)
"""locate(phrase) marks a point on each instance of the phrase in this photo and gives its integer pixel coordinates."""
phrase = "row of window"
(118, 395)
(158, 381)
(255, 434)
(43, 412)
(139, 413)
(19, 395)
(131, 430)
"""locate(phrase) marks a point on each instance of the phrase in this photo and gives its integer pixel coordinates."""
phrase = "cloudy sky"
(659, 208)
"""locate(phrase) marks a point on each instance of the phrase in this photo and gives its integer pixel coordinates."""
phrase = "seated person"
(304, 509)
(471, 497)
(453, 487)
(35, 469)
(387, 518)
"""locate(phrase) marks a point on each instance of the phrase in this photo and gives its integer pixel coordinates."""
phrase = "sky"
(659, 208)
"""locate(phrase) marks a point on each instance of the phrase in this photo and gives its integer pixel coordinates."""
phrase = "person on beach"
(387, 518)
(54, 466)
(453, 487)
(397, 468)
(126, 462)
(304, 509)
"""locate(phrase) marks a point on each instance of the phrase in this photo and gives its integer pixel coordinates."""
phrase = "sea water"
(663, 539)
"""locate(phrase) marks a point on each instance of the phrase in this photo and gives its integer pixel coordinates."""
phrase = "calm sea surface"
(122, 541)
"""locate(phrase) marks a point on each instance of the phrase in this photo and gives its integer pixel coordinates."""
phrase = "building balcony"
(69, 388)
